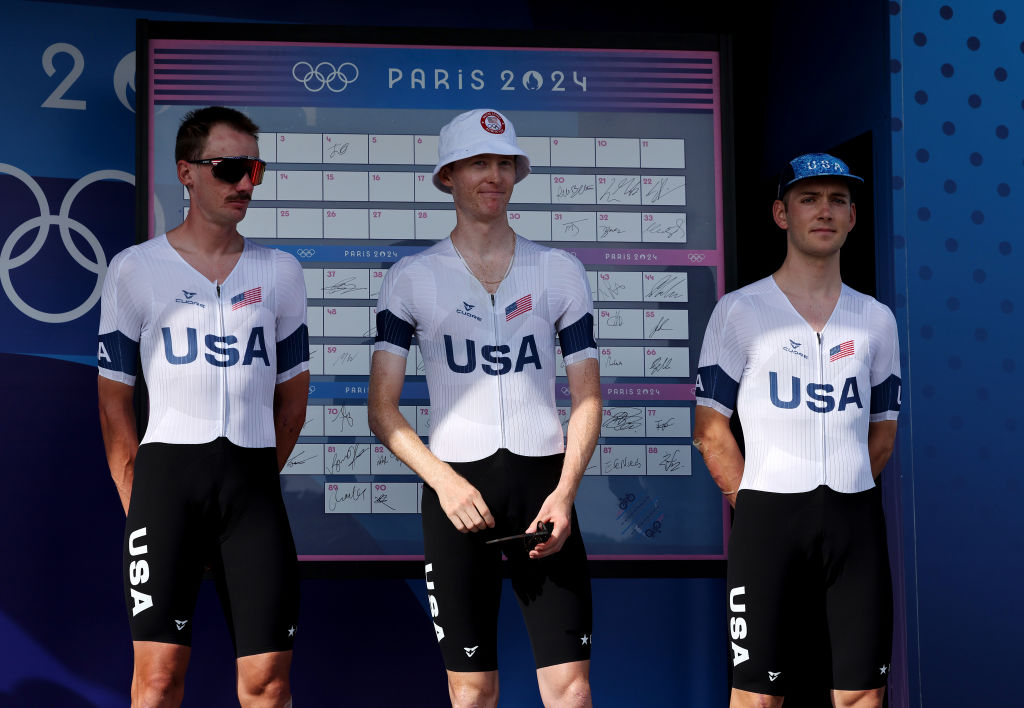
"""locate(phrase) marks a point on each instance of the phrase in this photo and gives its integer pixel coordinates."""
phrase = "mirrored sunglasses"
(233, 169)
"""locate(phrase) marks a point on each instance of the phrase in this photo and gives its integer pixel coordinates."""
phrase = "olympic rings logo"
(696, 257)
(43, 222)
(315, 78)
(305, 252)
(654, 530)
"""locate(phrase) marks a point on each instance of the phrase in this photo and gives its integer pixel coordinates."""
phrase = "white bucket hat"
(478, 132)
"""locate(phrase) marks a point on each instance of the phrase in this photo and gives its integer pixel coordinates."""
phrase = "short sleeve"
(291, 330)
(395, 321)
(886, 384)
(722, 359)
(572, 307)
(122, 314)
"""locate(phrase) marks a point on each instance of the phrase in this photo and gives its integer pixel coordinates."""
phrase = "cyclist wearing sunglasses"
(218, 323)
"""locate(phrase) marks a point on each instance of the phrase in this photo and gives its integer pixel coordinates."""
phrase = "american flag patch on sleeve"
(841, 350)
(520, 306)
(249, 297)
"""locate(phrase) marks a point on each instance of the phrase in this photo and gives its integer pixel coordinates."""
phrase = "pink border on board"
(593, 557)
(358, 558)
(149, 166)
(666, 53)
(720, 239)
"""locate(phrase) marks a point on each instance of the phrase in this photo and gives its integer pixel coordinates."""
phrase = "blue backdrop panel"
(958, 146)
(62, 614)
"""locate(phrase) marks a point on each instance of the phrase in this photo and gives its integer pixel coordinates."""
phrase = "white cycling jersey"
(211, 353)
(490, 359)
(804, 398)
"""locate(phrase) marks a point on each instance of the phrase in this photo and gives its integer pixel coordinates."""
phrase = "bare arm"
(120, 437)
(717, 445)
(584, 428)
(881, 440)
(289, 414)
(460, 500)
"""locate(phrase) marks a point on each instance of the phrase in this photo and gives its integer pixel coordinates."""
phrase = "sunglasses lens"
(256, 170)
(233, 169)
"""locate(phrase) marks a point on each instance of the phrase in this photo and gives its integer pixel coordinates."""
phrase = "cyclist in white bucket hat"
(478, 132)
(485, 305)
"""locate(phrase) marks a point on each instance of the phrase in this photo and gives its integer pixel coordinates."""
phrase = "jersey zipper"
(824, 441)
(223, 369)
(501, 396)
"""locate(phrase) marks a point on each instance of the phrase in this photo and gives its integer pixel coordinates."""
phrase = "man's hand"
(557, 512)
(463, 504)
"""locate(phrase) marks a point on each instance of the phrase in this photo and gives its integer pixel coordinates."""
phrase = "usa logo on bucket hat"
(492, 122)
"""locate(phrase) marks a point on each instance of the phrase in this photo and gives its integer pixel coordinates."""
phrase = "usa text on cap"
(815, 164)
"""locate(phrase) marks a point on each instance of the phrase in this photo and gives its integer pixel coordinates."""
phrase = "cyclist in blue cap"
(812, 368)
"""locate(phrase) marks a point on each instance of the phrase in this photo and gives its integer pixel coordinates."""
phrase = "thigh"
(858, 591)
(163, 545)
(463, 577)
(554, 592)
(256, 570)
(767, 582)
(555, 597)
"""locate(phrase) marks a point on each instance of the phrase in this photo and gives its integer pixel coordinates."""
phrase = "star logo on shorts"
(883, 669)
(470, 651)
(291, 631)
(587, 639)
(181, 624)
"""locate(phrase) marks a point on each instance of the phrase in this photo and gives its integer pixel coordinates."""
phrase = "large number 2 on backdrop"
(124, 77)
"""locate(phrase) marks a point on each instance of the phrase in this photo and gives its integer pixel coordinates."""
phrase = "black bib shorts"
(794, 555)
(464, 575)
(217, 505)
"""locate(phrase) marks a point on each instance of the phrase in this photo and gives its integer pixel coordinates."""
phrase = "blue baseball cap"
(815, 164)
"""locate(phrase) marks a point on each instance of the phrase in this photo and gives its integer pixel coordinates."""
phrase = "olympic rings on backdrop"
(336, 79)
(696, 257)
(43, 222)
(305, 252)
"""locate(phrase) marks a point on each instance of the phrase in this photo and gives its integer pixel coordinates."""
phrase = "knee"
(576, 694)
(475, 694)
(265, 689)
(157, 689)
